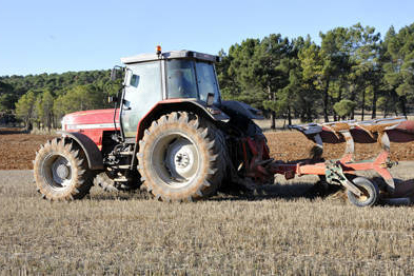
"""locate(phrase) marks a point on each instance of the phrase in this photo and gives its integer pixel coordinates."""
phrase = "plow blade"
(346, 171)
(397, 129)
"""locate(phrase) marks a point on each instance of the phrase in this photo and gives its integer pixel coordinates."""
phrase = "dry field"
(109, 233)
(231, 236)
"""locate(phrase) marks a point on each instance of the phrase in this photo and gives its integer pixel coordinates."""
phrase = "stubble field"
(287, 234)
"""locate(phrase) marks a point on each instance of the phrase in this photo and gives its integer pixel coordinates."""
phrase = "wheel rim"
(176, 160)
(365, 196)
(57, 170)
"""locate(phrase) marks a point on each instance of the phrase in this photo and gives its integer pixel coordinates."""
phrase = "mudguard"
(236, 108)
(91, 150)
(170, 105)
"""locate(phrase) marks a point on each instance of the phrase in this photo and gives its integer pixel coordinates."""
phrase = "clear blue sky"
(39, 36)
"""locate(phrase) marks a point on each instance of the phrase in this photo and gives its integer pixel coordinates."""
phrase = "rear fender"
(167, 106)
(91, 150)
(237, 109)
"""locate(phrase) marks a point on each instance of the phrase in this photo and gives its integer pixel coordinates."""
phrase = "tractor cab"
(153, 78)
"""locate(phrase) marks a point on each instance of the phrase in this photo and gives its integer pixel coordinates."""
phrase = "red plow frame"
(343, 171)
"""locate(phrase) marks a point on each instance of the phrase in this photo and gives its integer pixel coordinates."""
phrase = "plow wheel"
(182, 158)
(61, 171)
(370, 193)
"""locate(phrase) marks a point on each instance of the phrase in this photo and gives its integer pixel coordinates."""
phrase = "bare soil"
(17, 149)
(293, 145)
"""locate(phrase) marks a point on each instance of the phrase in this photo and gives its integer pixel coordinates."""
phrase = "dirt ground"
(17, 150)
(293, 145)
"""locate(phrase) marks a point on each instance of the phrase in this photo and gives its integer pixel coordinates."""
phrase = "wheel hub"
(61, 171)
(180, 159)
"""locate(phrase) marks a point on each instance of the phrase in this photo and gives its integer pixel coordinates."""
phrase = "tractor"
(170, 131)
(171, 134)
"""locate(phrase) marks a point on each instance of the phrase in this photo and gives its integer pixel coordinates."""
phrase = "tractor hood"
(90, 119)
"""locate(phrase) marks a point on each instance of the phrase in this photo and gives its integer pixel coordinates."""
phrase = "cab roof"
(170, 55)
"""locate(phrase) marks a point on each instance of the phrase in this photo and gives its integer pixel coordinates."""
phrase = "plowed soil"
(17, 150)
(292, 145)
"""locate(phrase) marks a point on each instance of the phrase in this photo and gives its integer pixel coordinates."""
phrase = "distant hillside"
(43, 99)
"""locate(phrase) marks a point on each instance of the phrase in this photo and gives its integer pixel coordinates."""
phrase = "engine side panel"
(91, 123)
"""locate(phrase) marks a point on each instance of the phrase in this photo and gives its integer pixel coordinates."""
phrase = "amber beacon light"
(158, 48)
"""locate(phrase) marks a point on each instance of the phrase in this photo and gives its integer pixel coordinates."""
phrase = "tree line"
(42, 100)
(353, 69)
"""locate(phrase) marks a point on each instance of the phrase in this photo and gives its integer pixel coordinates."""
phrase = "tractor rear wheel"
(61, 171)
(182, 157)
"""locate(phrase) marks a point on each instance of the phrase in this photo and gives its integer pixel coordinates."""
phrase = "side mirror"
(112, 99)
(116, 72)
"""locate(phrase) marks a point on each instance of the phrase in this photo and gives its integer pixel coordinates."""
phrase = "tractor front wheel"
(182, 157)
(61, 171)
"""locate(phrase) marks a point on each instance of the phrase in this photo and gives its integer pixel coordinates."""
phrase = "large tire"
(61, 171)
(370, 192)
(182, 158)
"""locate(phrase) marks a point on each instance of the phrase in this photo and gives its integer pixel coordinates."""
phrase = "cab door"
(142, 92)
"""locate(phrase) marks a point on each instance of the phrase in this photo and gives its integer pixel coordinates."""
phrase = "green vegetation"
(43, 99)
(286, 78)
(344, 107)
(298, 78)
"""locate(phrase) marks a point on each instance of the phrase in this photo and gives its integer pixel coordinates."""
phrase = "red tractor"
(171, 132)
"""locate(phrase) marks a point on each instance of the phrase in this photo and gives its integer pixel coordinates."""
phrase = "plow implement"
(367, 181)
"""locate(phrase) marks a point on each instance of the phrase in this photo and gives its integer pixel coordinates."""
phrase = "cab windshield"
(191, 79)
